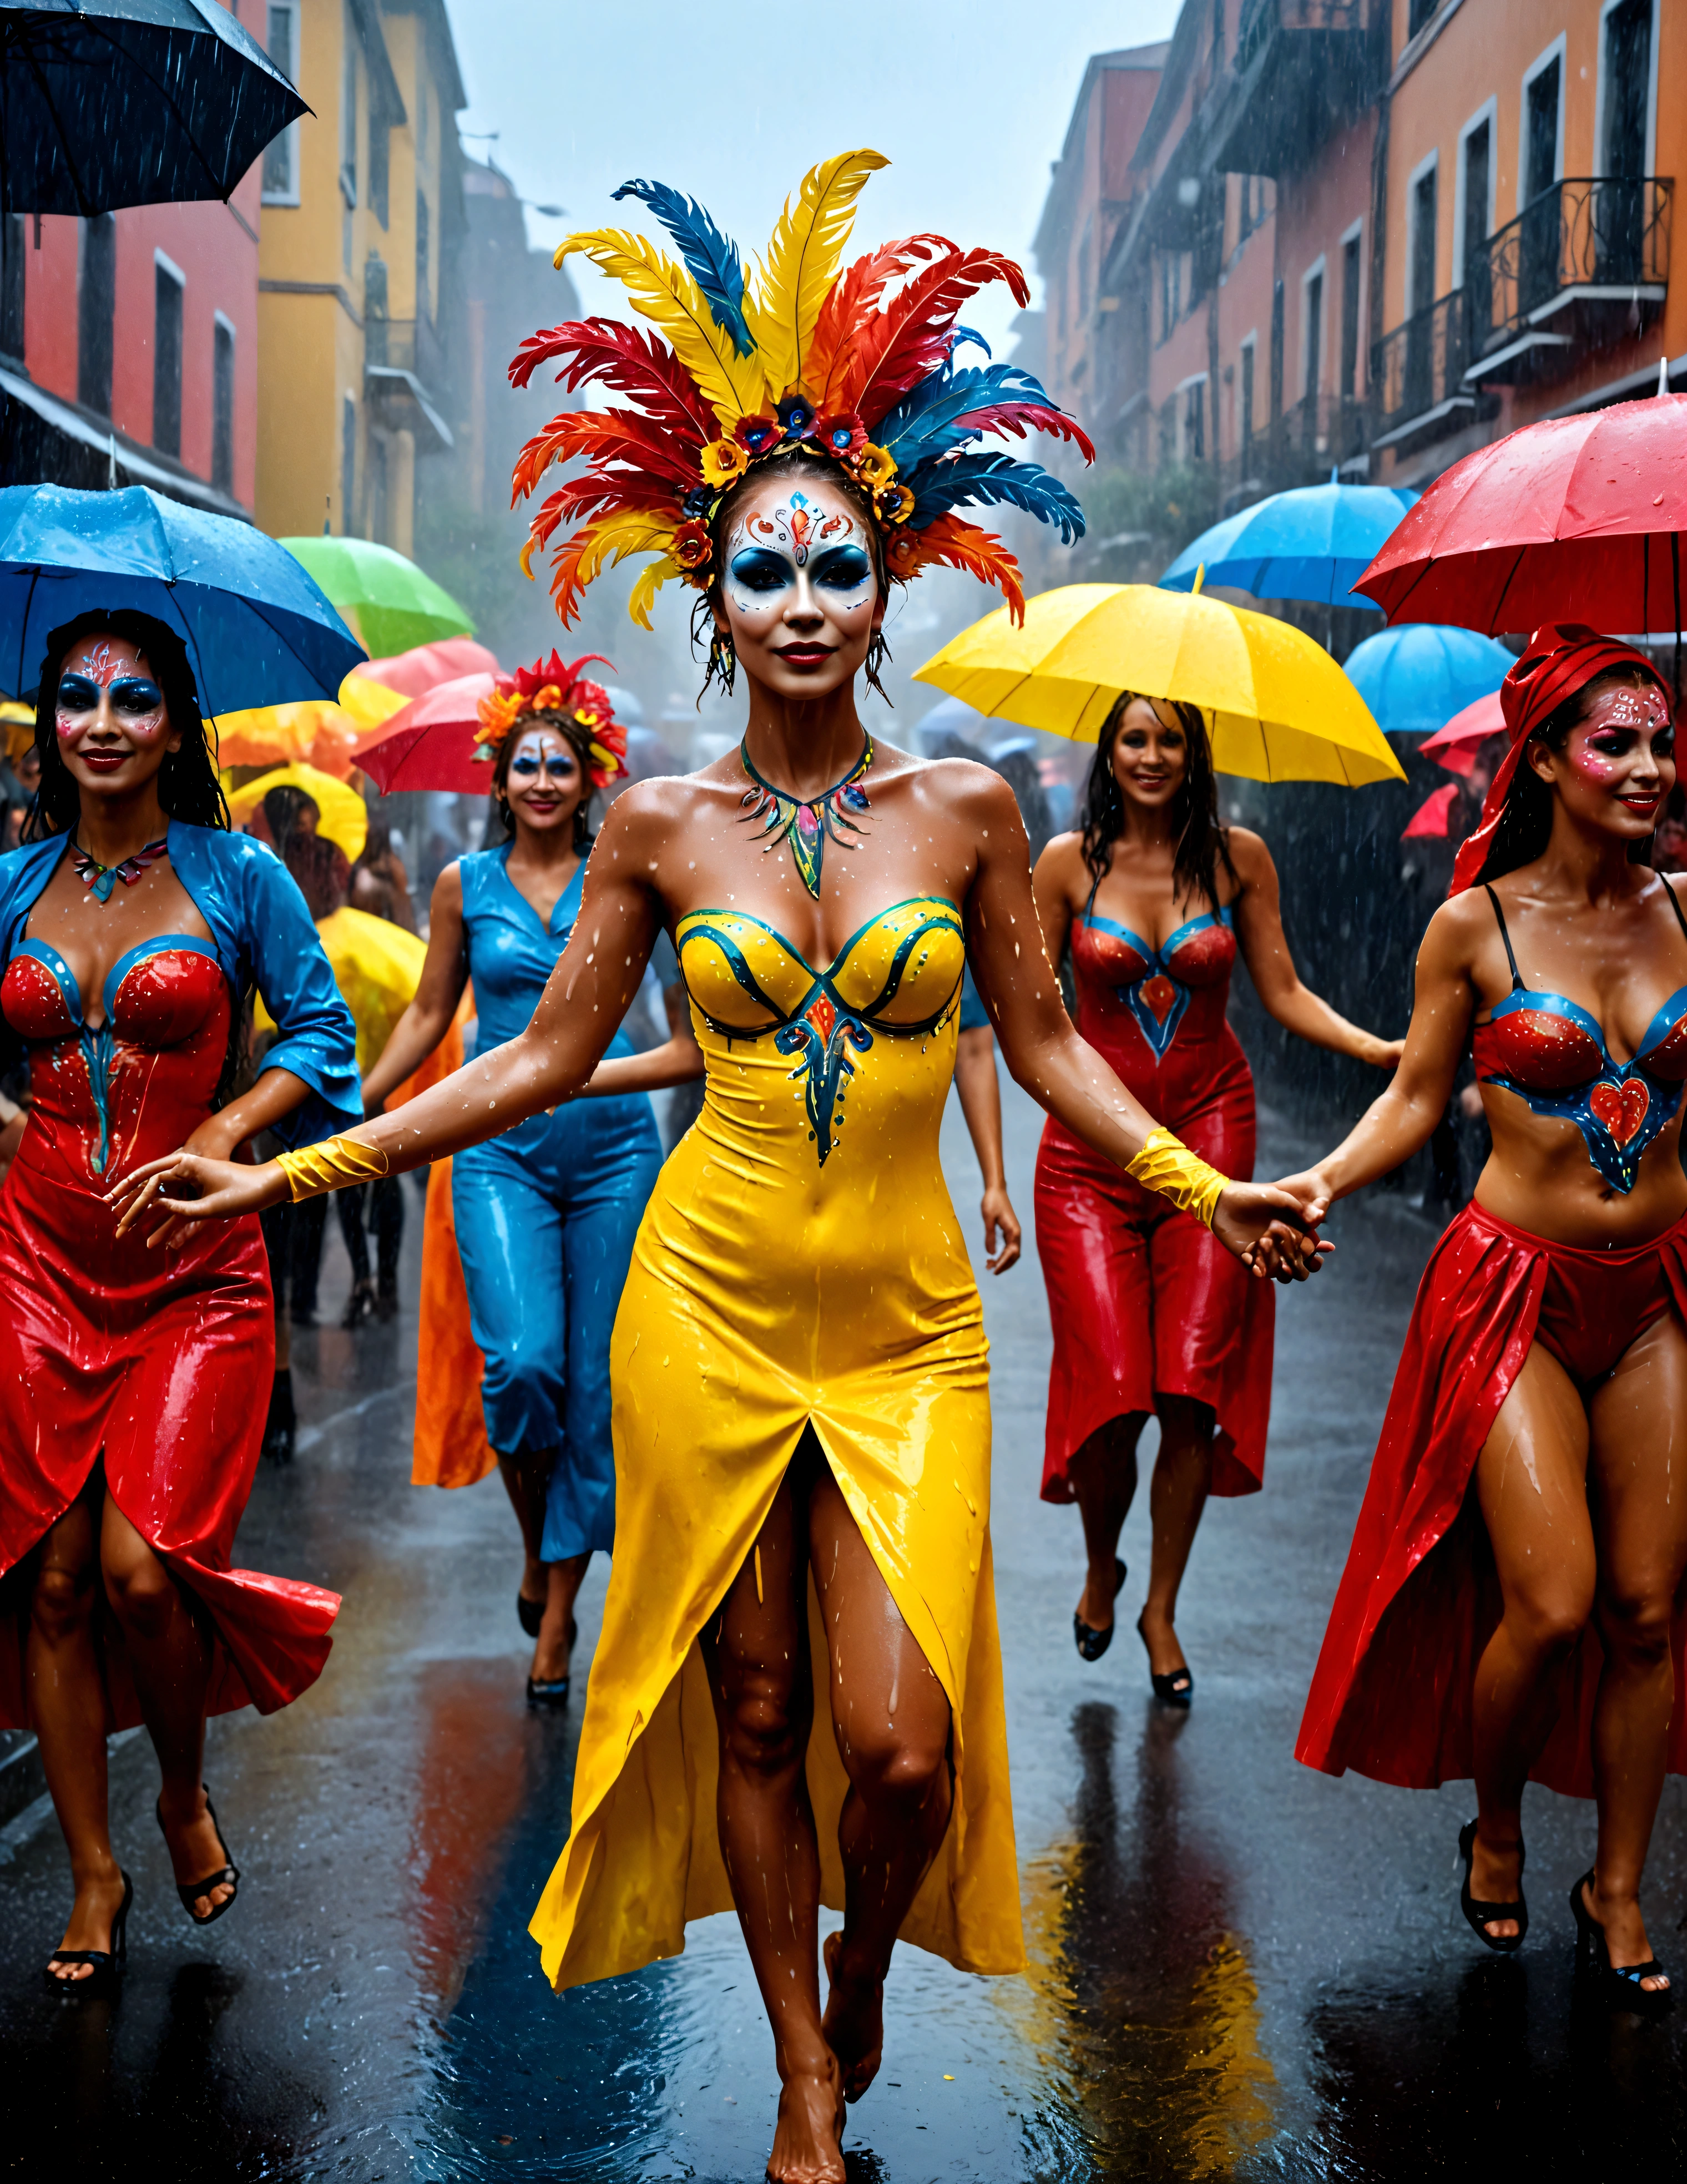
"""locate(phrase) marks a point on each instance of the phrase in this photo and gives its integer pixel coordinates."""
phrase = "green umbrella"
(393, 604)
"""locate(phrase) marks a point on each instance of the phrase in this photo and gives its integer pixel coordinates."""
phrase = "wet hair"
(797, 462)
(1526, 823)
(1202, 844)
(188, 787)
(283, 809)
(579, 741)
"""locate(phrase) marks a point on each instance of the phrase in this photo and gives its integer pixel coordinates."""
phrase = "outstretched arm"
(1061, 1072)
(444, 974)
(1259, 934)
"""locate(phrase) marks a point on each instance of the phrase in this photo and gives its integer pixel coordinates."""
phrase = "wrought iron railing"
(1260, 18)
(1419, 367)
(1603, 232)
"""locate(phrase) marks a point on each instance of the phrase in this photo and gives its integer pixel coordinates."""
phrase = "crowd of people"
(845, 931)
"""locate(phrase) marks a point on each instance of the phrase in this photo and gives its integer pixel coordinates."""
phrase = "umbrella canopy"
(1281, 708)
(395, 604)
(425, 666)
(1575, 519)
(275, 735)
(1312, 543)
(111, 103)
(1432, 819)
(259, 630)
(431, 744)
(1414, 676)
(1455, 745)
(344, 819)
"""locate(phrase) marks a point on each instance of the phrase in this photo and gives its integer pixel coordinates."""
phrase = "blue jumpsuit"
(546, 1216)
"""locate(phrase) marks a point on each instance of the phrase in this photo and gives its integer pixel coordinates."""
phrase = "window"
(1540, 145)
(1277, 349)
(12, 285)
(1312, 372)
(167, 286)
(379, 167)
(222, 405)
(96, 305)
(1194, 422)
(1537, 273)
(348, 462)
(1627, 71)
(281, 154)
(1420, 13)
(1351, 275)
(1476, 272)
(1422, 266)
(424, 304)
(1247, 416)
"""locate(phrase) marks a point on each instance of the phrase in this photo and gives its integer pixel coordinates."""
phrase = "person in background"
(381, 886)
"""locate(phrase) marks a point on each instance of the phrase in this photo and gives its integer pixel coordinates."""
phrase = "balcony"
(1302, 69)
(1584, 264)
(401, 360)
(1418, 393)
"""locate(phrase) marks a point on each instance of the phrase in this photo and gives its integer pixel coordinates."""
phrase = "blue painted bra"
(1552, 1054)
(1144, 977)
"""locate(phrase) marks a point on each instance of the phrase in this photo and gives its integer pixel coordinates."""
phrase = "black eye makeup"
(77, 694)
(757, 570)
(135, 694)
(844, 569)
(557, 763)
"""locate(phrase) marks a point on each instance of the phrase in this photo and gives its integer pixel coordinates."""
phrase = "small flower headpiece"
(548, 687)
(853, 365)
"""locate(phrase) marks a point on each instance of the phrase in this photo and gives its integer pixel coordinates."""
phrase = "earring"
(723, 661)
(878, 655)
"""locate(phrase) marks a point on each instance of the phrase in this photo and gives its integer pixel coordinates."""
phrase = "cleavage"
(93, 938)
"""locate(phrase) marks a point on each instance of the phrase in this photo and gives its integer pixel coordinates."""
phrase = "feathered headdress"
(548, 687)
(858, 367)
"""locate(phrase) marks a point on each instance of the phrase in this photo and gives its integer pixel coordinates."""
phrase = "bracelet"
(328, 1166)
(1166, 1165)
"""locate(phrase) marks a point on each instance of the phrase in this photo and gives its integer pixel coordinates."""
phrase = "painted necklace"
(806, 826)
(100, 879)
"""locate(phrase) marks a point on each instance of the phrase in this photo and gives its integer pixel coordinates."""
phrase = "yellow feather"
(666, 294)
(650, 582)
(605, 542)
(801, 264)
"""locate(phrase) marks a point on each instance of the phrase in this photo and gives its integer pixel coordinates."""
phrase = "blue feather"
(710, 257)
(962, 335)
(931, 419)
(986, 481)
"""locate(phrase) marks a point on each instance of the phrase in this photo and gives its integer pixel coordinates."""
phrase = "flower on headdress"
(723, 461)
(893, 504)
(499, 710)
(841, 433)
(875, 466)
(550, 687)
(796, 414)
(691, 546)
(700, 500)
(757, 435)
(899, 552)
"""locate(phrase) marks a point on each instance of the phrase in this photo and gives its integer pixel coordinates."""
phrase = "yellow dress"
(799, 1264)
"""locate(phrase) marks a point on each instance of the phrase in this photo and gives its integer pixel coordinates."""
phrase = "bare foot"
(807, 2146)
(1165, 1654)
(97, 1903)
(853, 2024)
(1497, 1877)
(1625, 1934)
(196, 1848)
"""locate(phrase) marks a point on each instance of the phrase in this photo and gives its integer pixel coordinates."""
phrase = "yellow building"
(361, 225)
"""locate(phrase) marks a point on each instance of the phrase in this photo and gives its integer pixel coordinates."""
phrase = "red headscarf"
(1557, 661)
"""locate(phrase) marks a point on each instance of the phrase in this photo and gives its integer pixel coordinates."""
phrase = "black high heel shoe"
(1177, 1687)
(552, 1693)
(106, 1963)
(1093, 1644)
(1478, 1912)
(228, 1875)
(1620, 1984)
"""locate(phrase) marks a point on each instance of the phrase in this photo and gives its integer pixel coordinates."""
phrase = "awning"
(47, 441)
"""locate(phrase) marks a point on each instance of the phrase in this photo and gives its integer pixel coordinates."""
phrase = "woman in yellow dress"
(802, 1421)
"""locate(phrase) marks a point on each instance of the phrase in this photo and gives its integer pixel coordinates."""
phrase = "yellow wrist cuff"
(1166, 1165)
(330, 1165)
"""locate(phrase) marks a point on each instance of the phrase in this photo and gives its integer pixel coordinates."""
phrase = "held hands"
(1000, 1216)
(1270, 1230)
(1384, 1053)
(191, 1186)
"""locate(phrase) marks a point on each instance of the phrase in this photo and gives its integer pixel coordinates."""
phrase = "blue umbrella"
(259, 630)
(109, 102)
(1415, 677)
(1312, 543)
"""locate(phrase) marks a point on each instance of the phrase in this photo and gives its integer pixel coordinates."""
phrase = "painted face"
(801, 597)
(1150, 752)
(113, 727)
(544, 784)
(1618, 761)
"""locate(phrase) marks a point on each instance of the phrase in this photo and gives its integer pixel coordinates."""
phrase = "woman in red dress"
(1508, 1607)
(128, 1433)
(1153, 897)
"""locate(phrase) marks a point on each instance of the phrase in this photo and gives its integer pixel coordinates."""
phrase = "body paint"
(769, 547)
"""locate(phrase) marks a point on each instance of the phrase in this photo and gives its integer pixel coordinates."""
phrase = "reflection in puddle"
(1141, 2004)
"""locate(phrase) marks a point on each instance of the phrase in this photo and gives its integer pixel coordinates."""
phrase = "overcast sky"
(969, 103)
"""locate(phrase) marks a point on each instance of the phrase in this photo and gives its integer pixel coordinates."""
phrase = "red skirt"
(160, 1362)
(1420, 1596)
(1144, 1300)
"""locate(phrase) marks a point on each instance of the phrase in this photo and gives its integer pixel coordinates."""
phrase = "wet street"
(1239, 1968)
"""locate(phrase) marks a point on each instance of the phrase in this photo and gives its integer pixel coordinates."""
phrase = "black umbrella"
(131, 102)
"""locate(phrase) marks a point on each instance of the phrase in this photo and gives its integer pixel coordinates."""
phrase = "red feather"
(602, 436)
(627, 358)
(1014, 416)
(599, 493)
(854, 293)
(902, 344)
(959, 545)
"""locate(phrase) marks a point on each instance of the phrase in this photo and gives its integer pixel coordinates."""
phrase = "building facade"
(129, 344)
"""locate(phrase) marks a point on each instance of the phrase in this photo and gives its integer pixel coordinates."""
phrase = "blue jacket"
(263, 938)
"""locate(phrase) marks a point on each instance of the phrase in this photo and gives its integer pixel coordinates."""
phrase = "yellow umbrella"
(315, 730)
(345, 816)
(17, 724)
(1281, 710)
(377, 967)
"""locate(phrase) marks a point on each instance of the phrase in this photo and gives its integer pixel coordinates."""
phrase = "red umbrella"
(1434, 816)
(1455, 745)
(431, 743)
(1575, 519)
(425, 666)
